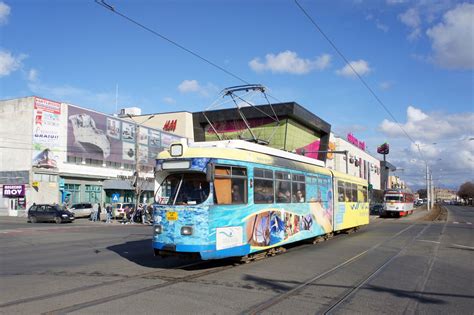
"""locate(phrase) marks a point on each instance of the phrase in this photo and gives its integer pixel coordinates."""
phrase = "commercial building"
(284, 126)
(54, 152)
(58, 152)
(350, 156)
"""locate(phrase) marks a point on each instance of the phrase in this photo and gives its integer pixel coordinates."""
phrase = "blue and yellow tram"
(234, 198)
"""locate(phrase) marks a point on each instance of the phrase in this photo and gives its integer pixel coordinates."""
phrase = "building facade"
(57, 152)
(358, 162)
(284, 126)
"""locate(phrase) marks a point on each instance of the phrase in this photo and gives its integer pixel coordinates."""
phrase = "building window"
(93, 193)
(73, 193)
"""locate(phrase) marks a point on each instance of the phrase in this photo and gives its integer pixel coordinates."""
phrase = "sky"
(417, 58)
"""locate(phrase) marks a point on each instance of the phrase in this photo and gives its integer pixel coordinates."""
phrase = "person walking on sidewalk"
(95, 212)
(108, 210)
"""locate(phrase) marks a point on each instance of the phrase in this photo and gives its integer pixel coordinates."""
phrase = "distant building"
(441, 194)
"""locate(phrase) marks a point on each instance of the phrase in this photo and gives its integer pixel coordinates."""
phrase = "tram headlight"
(176, 150)
(187, 230)
(158, 229)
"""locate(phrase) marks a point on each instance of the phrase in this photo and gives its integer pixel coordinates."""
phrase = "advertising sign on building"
(96, 136)
(13, 191)
(46, 129)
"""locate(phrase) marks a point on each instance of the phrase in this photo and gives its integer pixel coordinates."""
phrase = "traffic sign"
(115, 197)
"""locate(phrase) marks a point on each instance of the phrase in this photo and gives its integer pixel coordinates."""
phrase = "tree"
(466, 191)
(422, 193)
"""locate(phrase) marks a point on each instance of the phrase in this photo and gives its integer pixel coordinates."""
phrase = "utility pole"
(137, 166)
(428, 192)
(136, 181)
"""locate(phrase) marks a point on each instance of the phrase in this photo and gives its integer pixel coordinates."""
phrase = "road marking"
(469, 223)
(429, 241)
(455, 222)
(462, 246)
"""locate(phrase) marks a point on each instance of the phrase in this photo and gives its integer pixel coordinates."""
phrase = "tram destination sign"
(13, 191)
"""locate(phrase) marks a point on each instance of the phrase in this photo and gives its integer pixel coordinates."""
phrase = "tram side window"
(263, 186)
(353, 192)
(299, 188)
(362, 193)
(340, 190)
(230, 185)
(283, 187)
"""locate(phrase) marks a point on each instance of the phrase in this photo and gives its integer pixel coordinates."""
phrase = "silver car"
(81, 210)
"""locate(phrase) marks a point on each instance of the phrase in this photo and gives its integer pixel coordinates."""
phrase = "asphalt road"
(392, 266)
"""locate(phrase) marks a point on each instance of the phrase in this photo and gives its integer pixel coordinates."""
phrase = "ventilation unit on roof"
(133, 111)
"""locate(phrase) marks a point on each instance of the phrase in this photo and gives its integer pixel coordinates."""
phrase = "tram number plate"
(172, 216)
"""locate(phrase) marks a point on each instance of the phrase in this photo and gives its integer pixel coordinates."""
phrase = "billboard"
(46, 130)
(93, 135)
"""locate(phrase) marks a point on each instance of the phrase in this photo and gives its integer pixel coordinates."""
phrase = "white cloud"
(392, 2)
(411, 18)
(289, 62)
(424, 127)
(4, 13)
(169, 100)
(189, 86)
(193, 86)
(360, 66)
(32, 75)
(453, 39)
(443, 140)
(381, 26)
(9, 63)
(386, 85)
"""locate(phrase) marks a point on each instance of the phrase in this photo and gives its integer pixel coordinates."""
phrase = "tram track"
(154, 274)
(336, 302)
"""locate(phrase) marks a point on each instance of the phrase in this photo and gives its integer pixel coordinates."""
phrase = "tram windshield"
(393, 198)
(184, 189)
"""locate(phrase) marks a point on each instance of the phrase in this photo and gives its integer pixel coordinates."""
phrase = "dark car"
(376, 209)
(49, 213)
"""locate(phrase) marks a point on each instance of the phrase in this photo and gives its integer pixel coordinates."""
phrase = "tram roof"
(251, 152)
(240, 150)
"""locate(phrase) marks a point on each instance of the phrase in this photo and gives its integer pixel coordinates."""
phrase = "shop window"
(93, 193)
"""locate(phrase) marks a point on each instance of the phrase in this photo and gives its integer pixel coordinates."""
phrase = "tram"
(397, 203)
(234, 198)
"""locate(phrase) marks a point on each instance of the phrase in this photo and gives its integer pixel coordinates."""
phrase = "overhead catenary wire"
(111, 8)
(379, 101)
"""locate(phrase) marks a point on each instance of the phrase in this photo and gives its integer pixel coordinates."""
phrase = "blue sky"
(417, 56)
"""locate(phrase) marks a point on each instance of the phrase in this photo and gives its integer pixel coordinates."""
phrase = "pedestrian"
(108, 210)
(95, 212)
(143, 212)
(99, 210)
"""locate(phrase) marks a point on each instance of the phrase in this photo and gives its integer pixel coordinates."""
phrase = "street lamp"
(137, 158)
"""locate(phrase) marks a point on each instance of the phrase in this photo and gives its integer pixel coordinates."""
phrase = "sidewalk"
(81, 221)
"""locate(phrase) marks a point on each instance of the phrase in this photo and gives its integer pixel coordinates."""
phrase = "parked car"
(49, 213)
(119, 209)
(376, 209)
(82, 210)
